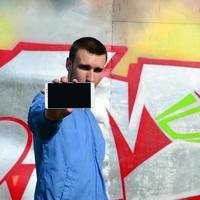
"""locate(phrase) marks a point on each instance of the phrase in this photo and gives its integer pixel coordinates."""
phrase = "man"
(68, 144)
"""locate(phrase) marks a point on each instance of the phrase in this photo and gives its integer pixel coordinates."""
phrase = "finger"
(75, 80)
(69, 110)
(63, 79)
(56, 81)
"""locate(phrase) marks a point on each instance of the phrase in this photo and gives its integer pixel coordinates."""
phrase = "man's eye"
(98, 70)
(84, 67)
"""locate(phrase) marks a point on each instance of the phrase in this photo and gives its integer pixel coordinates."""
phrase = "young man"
(68, 144)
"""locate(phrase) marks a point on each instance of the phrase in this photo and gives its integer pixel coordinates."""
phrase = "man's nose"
(90, 76)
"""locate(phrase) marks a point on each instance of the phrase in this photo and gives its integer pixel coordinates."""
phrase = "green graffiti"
(186, 101)
(171, 114)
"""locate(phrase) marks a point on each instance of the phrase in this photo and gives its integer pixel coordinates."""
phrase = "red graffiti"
(150, 139)
(18, 176)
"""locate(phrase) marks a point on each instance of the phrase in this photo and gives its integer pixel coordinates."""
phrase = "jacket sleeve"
(39, 125)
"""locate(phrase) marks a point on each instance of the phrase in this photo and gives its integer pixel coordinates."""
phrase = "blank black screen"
(69, 95)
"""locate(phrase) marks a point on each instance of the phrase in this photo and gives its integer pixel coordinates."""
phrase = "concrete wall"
(147, 102)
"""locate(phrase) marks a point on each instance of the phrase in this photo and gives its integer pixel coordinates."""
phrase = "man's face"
(86, 67)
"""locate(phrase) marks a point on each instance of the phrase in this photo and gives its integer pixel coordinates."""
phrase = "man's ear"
(68, 64)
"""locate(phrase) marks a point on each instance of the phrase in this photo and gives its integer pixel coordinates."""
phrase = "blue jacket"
(69, 155)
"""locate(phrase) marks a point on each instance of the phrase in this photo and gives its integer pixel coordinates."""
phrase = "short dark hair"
(90, 44)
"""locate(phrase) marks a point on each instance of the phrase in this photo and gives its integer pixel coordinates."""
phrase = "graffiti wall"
(147, 103)
(158, 152)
